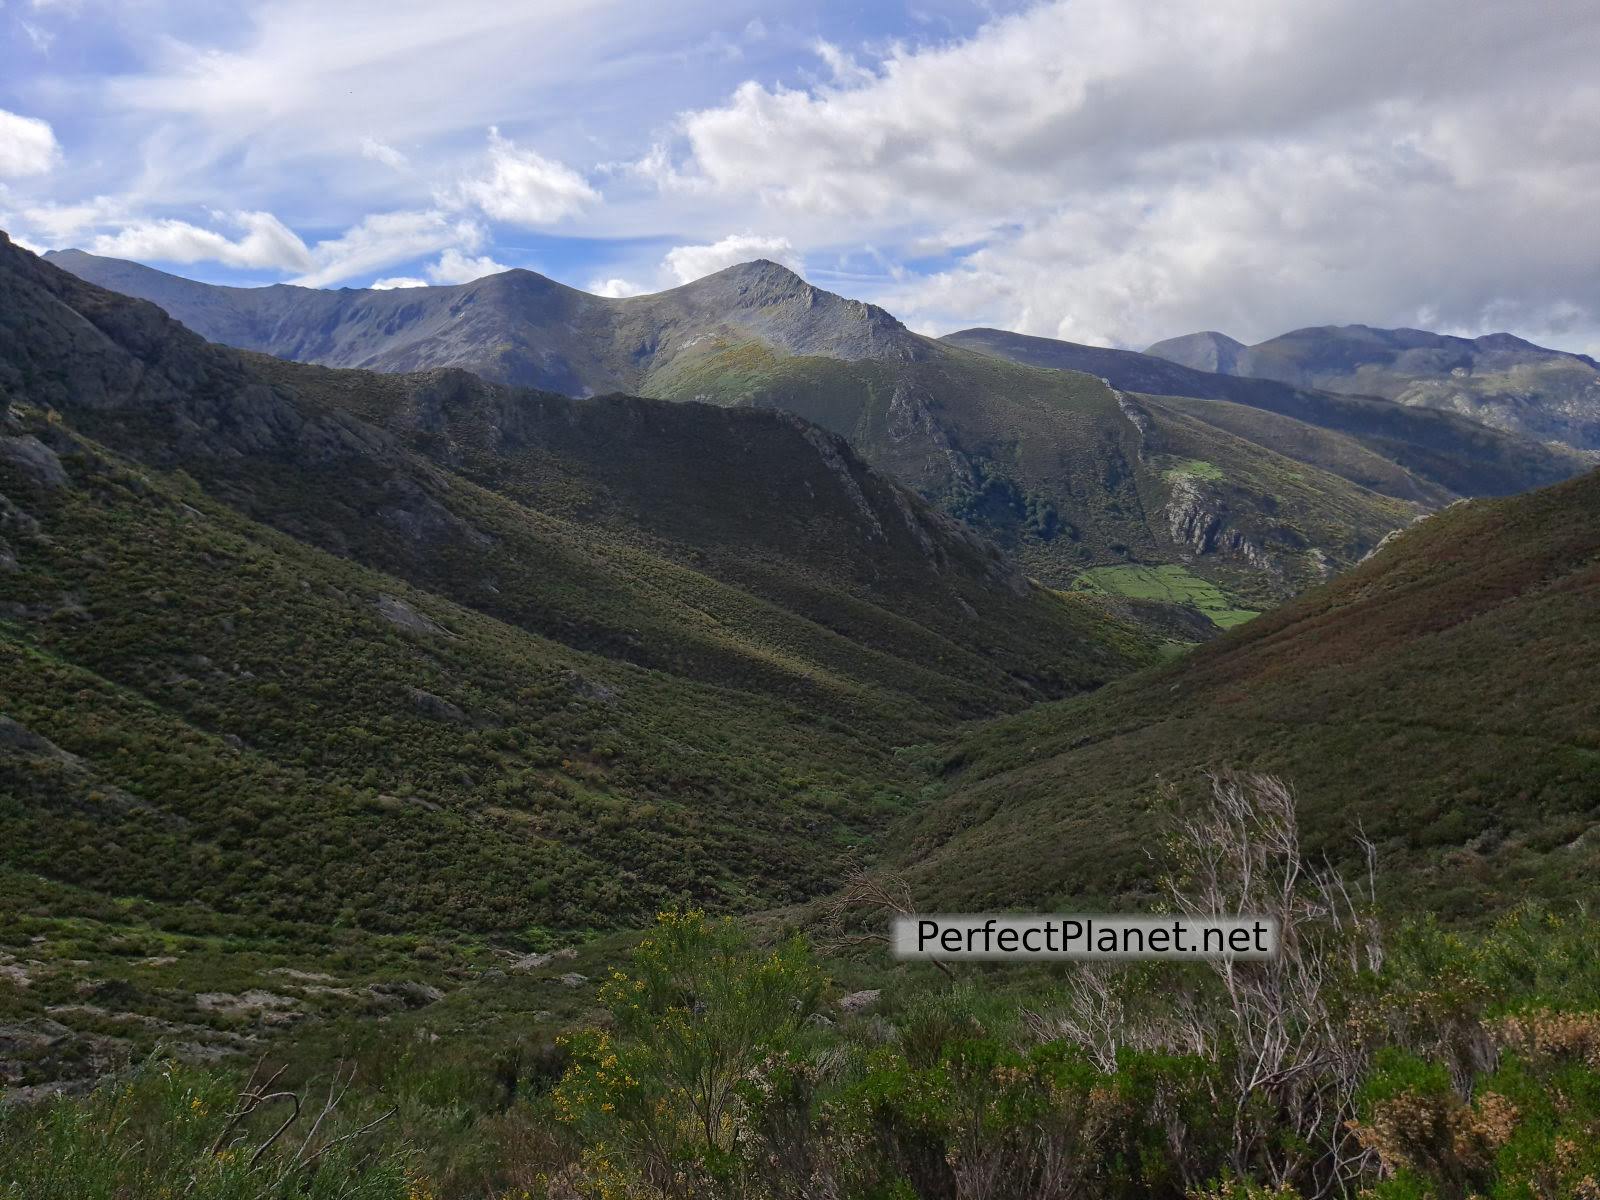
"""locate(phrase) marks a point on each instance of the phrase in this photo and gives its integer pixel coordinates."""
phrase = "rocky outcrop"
(400, 614)
(1200, 522)
(35, 460)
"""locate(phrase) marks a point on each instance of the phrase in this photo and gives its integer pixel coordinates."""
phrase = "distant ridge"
(516, 327)
(1502, 380)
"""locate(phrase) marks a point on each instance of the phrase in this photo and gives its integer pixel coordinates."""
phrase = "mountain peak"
(761, 277)
(1204, 351)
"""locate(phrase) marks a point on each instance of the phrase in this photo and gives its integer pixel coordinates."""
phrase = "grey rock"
(408, 992)
(859, 1001)
(35, 460)
(437, 707)
(397, 612)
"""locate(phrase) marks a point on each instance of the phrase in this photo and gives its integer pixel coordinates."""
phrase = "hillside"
(262, 654)
(1412, 453)
(1439, 696)
(1500, 380)
(1084, 486)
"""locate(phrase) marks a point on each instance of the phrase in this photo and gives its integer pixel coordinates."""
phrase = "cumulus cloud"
(688, 263)
(615, 288)
(1141, 170)
(28, 146)
(521, 187)
(382, 152)
(397, 281)
(58, 224)
(385, 238)
(455, 267)
(265, 243)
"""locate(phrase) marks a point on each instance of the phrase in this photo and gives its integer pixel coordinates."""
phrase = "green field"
(1195, 468)
(1168, 582)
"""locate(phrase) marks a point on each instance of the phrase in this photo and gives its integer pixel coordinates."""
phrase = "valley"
(400, 714)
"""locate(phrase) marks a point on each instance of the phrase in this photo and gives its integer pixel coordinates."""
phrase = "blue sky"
(1110, 171)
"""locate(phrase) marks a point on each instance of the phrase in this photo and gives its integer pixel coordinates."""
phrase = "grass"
(1168, 582)
(1195, 468)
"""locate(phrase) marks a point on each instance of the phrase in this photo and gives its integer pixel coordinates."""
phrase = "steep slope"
(1062, 471)
(1499, 380)
(1411, 453)
(1439, 697)
(260, 653)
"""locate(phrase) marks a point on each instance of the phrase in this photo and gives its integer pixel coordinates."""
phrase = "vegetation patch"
(1194, 468)
(1167, 582)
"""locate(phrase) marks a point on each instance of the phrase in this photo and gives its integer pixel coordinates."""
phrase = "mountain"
(518, 327)
(1500, 380)
(1087, 486)
(396, 653)
(1206, 351)
(1410, 453)
(1439, 697)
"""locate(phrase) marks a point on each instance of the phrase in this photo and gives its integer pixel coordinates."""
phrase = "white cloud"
(455, 267)
(28, 146)
(521, 187)
(614, 287)
(692, 262)
(842, 66)
(382, 152)
(386, 238)
(59, 224)
(397, 281)
(1135, 171)
(265, 243)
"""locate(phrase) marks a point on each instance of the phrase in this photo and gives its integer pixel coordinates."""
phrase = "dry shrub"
(1542, 1036)
(1440, 1136)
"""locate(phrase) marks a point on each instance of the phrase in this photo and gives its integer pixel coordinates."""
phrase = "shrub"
(659, 1095)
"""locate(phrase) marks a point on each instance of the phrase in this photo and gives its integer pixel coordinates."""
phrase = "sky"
(1106, 171)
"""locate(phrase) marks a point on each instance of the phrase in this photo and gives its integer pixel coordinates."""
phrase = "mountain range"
(1499, 379)
(1120, 484)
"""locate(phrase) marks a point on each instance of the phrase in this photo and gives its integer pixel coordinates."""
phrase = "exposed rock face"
(1200, 522)
(437, 707)
(397, 612)
(408, 992)
(34, 459)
